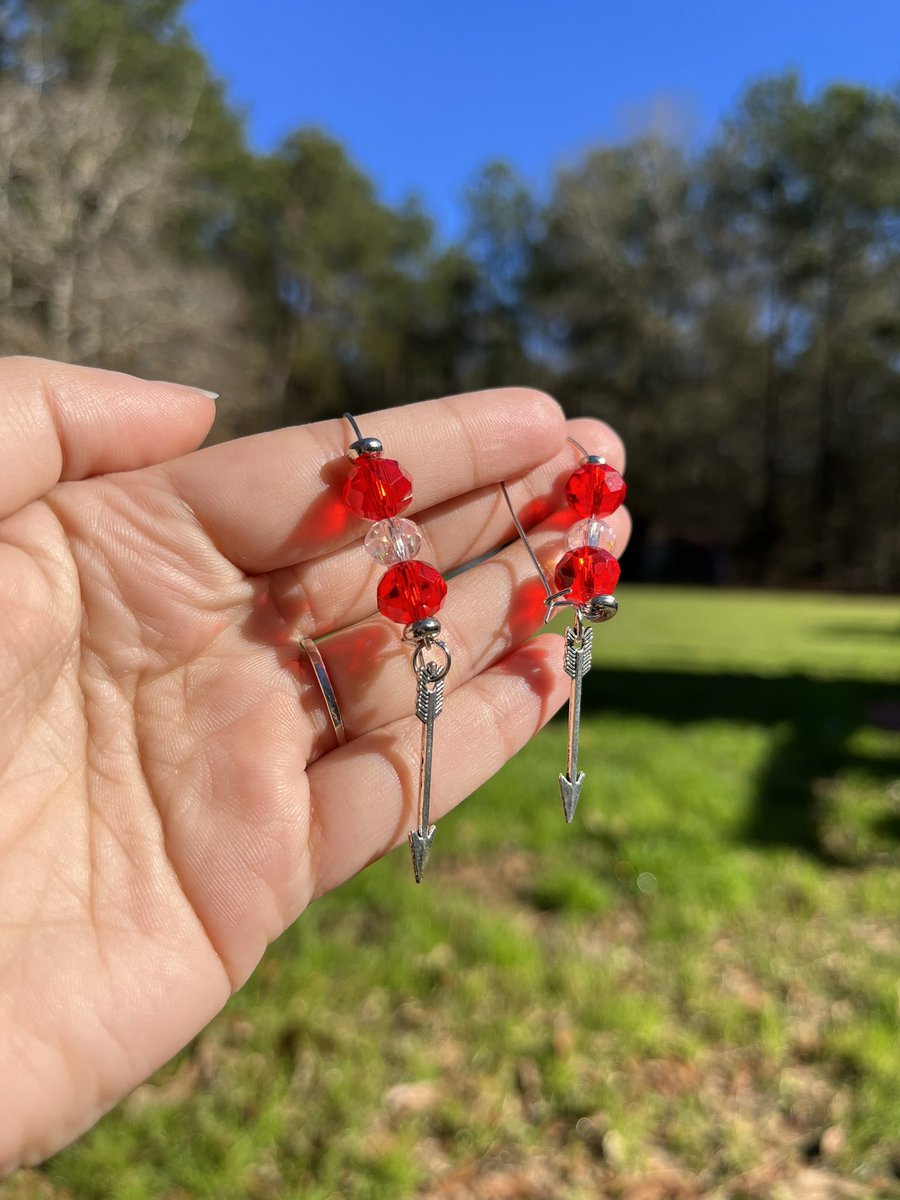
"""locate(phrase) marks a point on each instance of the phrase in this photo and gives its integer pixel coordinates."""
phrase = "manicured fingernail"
(204, 392)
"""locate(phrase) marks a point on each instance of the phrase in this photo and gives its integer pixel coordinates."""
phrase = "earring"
(410, 592)
(585, 578)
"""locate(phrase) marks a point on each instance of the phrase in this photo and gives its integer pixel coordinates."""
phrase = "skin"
(171, 797)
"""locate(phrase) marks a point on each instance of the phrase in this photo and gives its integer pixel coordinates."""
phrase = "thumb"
(63, 422)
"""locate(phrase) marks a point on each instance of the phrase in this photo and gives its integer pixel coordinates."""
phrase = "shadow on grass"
(845, 631)
(819, 718)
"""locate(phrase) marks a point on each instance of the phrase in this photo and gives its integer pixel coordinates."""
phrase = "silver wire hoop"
(323, 679)
(434, 670)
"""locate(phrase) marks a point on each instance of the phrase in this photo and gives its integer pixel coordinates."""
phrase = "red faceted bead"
(377, 488)
(410, 591)
(586, 572)
(595, 490)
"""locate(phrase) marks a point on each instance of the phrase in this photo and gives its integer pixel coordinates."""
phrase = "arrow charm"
(579, 639)
(429, 702)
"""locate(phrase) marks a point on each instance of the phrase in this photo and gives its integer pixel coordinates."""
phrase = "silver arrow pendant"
(429, 702)
(579, 640)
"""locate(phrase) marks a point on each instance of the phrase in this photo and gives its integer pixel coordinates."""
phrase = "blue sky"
(423, 91)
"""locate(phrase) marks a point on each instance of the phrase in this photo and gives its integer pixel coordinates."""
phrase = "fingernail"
(190, 388)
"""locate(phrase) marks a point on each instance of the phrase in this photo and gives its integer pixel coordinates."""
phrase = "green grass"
(765, 633)
(693, 987)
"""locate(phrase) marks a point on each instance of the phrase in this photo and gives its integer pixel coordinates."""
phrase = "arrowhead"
(420, 845)
(570, 790)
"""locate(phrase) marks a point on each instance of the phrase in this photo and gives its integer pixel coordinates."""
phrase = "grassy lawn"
(694, 990)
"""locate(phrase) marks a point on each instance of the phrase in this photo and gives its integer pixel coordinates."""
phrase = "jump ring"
(435, 670)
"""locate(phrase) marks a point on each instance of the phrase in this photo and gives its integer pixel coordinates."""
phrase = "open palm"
(170, 794)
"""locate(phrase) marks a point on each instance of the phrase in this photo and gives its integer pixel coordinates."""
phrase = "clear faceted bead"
(591, 532)
(394, 540)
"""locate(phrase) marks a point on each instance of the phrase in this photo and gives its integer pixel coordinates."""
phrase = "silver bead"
(364, 446)
(596, 458)
(591, 532)
(425, 630)
(393, 540)
(599, 609)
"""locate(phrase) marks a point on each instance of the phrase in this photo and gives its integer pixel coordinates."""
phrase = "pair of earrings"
(411, 593)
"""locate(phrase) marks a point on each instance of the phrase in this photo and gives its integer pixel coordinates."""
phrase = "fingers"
(364, 795)
(63, 422)
(334, 591)
(275, 499)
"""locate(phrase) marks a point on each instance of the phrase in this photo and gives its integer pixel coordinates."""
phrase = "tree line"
(734, 311)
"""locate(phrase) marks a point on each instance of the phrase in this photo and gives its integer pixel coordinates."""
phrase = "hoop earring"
(584, 578)
(410, 593)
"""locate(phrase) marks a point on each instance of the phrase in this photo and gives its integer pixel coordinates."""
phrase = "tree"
(736, 316)
(502, 225)
(802, 207)
(617, 281)
(89, 187)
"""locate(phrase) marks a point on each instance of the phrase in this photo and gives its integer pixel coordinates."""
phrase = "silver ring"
(323, 679)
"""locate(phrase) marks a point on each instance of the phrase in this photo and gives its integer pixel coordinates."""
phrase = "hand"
(170, 794)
